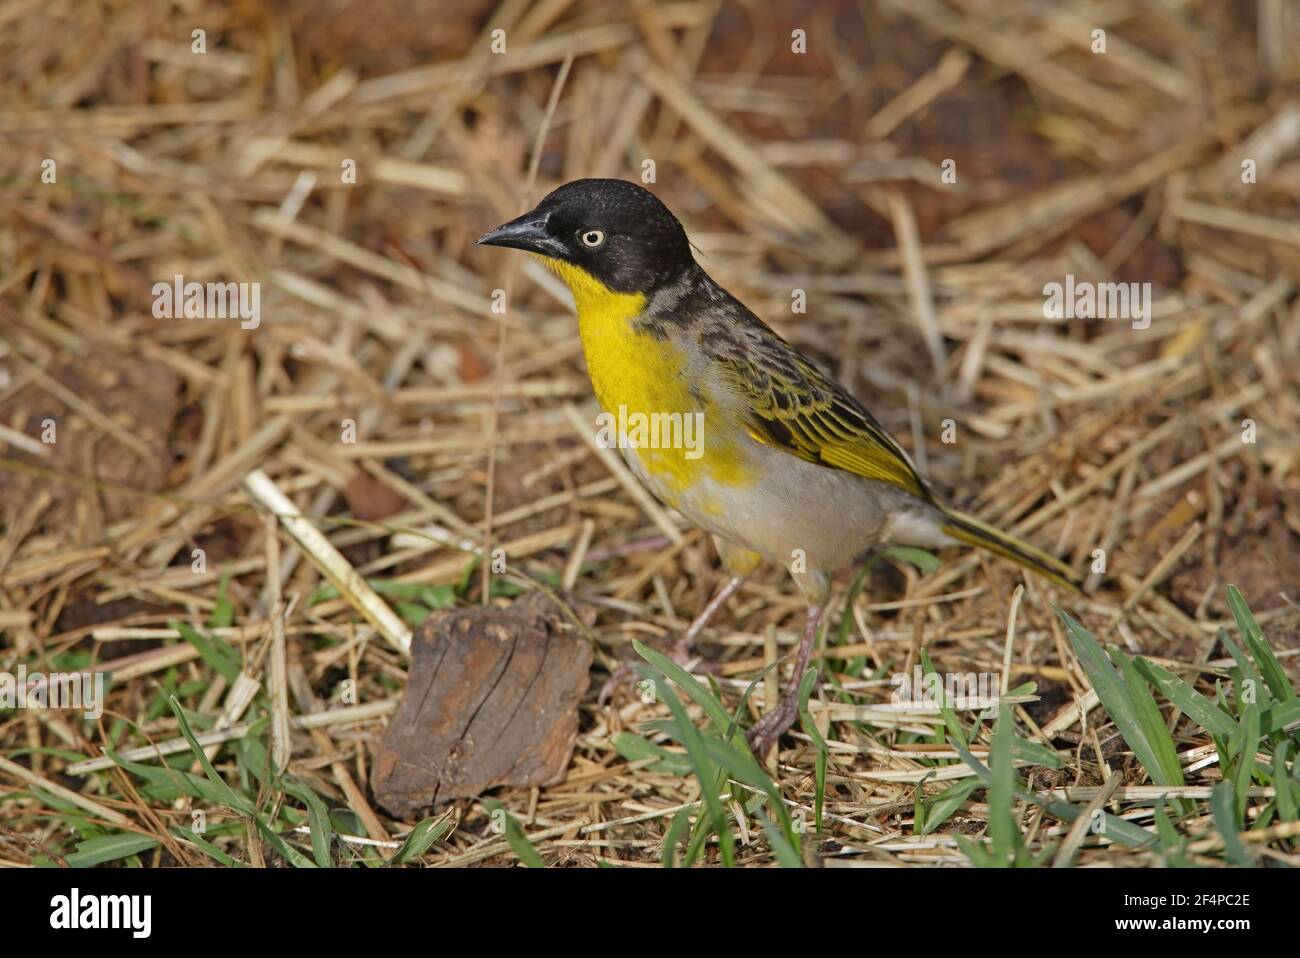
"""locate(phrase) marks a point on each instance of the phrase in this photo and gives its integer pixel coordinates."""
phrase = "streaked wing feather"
(794, 407)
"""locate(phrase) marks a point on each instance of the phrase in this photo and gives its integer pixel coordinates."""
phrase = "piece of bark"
(491, 699)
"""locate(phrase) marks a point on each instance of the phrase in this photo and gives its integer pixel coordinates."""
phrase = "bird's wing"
(793, 406)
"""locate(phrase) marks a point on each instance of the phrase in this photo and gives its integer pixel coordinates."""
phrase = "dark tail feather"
(971, 531)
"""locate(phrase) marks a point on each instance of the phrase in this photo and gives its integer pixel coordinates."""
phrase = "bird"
(790, 468)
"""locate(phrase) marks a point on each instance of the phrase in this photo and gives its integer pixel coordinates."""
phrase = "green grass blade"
(421, 838)
(184, 782)
(1193, 704)
(1250, 677)
(230, 797)
(704, 770)
(744, 701)
(516, 837)
(1154, 729)
(223, 610)
(785, 853)
(1223, 803)
(1279, 717)
(282, 848)
(110, 848)
(1253, 636)
(207, 846)
(744, 768)
(923, 560)
(979, 854)
(1170, 841)
(521, 846)
(955, 729)
(810, 729)
(318, 815)
(636, 748)
(214, 652)
(981, 770)
(1130, 717)
(688, 684)
(1117, 829)
(212, 850)
(1249, 742)
(947, 802)
(1120, 830)
(680, 826)
(1035, 753)
(1003, 833)
(1287, 798)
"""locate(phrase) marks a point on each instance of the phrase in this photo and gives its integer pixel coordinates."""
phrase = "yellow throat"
(635, 372)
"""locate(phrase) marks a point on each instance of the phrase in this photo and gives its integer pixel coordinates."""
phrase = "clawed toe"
(768, 730)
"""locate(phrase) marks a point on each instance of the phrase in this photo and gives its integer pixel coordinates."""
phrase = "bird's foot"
(768, 729)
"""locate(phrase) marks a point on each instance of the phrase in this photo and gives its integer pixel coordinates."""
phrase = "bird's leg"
(681, 649)
(773, 725)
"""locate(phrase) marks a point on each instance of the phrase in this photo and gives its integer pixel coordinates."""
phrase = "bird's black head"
(616, 231)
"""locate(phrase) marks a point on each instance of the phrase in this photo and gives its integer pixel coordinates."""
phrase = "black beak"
(527, 232)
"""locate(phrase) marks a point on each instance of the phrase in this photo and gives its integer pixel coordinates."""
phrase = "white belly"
(797, 509)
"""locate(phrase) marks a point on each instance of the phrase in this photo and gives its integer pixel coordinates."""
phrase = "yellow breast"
(641, 380)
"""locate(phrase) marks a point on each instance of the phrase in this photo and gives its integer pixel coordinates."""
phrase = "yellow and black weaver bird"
(791, 468)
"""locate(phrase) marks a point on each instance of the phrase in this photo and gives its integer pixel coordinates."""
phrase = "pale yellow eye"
(592, 238)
